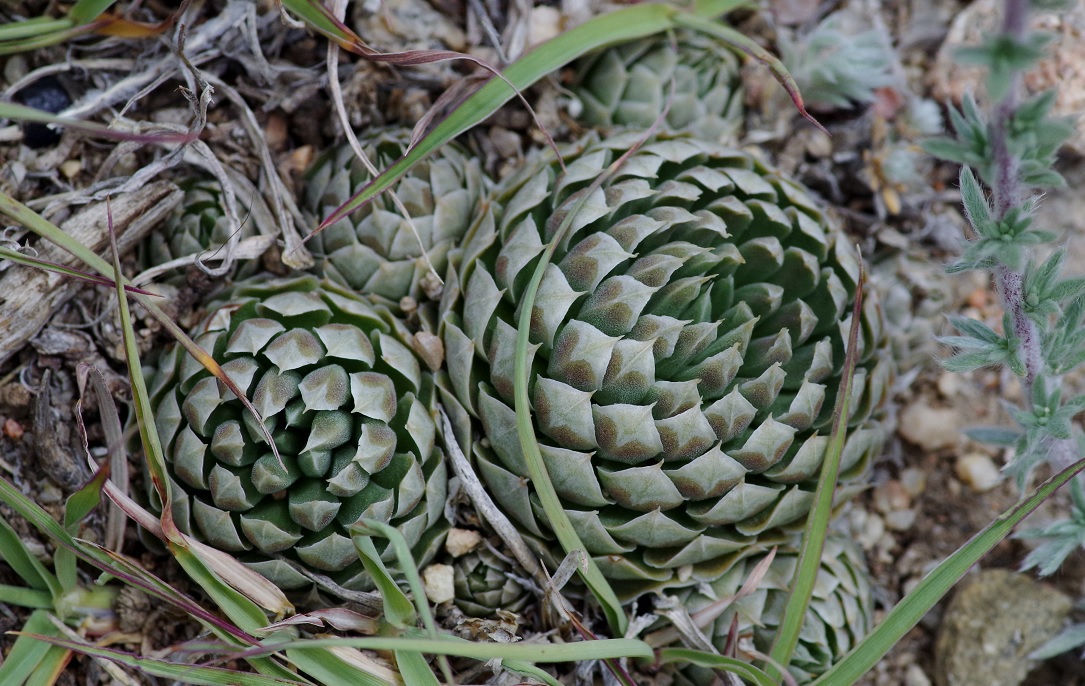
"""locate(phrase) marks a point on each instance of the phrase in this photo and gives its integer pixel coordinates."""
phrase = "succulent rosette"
(686, 349)
(351, 411)
(374, 249)
(840, 613)
(198, 225)
(630, 84)
(485, 583)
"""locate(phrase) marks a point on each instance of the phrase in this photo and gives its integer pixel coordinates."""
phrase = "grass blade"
(418, 666)
(76, 509)
(727, 664)
(907, 613)
(28, 261)
(817, 523)
(619, 26)
(29, 654)
(603, 649)
(25, 597)
(185, 673)
(754, 50)
(151, 445)
(22, 561)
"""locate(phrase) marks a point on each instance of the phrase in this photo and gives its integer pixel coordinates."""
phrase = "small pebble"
(873, 530)
(900, 520)
(915, 676)
(13, 429)
(978, 472)
(71, 168)
(914, 481)
(949, 384)
(459, 542)
(438, 580)
(891, 496)
(545, 23)
(930, 428)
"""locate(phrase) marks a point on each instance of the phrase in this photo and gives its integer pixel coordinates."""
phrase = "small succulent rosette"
(840, 613)
(352, 413)
(485, 583)
(198, 226)
(686, 349)
(375, 249)
(629, 85)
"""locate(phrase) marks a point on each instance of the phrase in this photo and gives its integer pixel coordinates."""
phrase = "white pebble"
(438, 581)
(930, 428)
(900, 520)
(459, 542)
(978, 472)
(915, 676)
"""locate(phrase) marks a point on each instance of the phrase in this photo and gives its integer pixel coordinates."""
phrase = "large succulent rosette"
(687, 344)
(351, 411)
(374, 249)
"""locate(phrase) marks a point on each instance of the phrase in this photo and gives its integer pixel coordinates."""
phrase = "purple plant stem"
(1009, 192)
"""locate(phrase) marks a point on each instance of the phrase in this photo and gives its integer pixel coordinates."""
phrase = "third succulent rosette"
(686, 349)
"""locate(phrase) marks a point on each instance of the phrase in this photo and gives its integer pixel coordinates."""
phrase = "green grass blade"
(86, 11)
(152, 447)
(530, 670)
(619, 26)
(409, 569)
(415, 665)
(328, 667)
(30, 653)
(15, 553)
(754, 50)
(817, 523)
(188, 674)
(25, 597)
(717, 8)
(76, 509)
(907, 613)
(28, 261)
(398, 609)
(32, 28)
(414, 669)
(727, 664)
(556, 516)
(603, 649)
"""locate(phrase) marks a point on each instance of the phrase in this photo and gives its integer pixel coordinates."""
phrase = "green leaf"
(184, 673)
(626, 24)
(975, 202)
(817, 522)
(603, 649)
(86, 11)
(18, 557)
(1070, 638)
(745, 670)
(25, 597)
(31, 654)
(907, 613)
(78, 506)
(398, 609)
